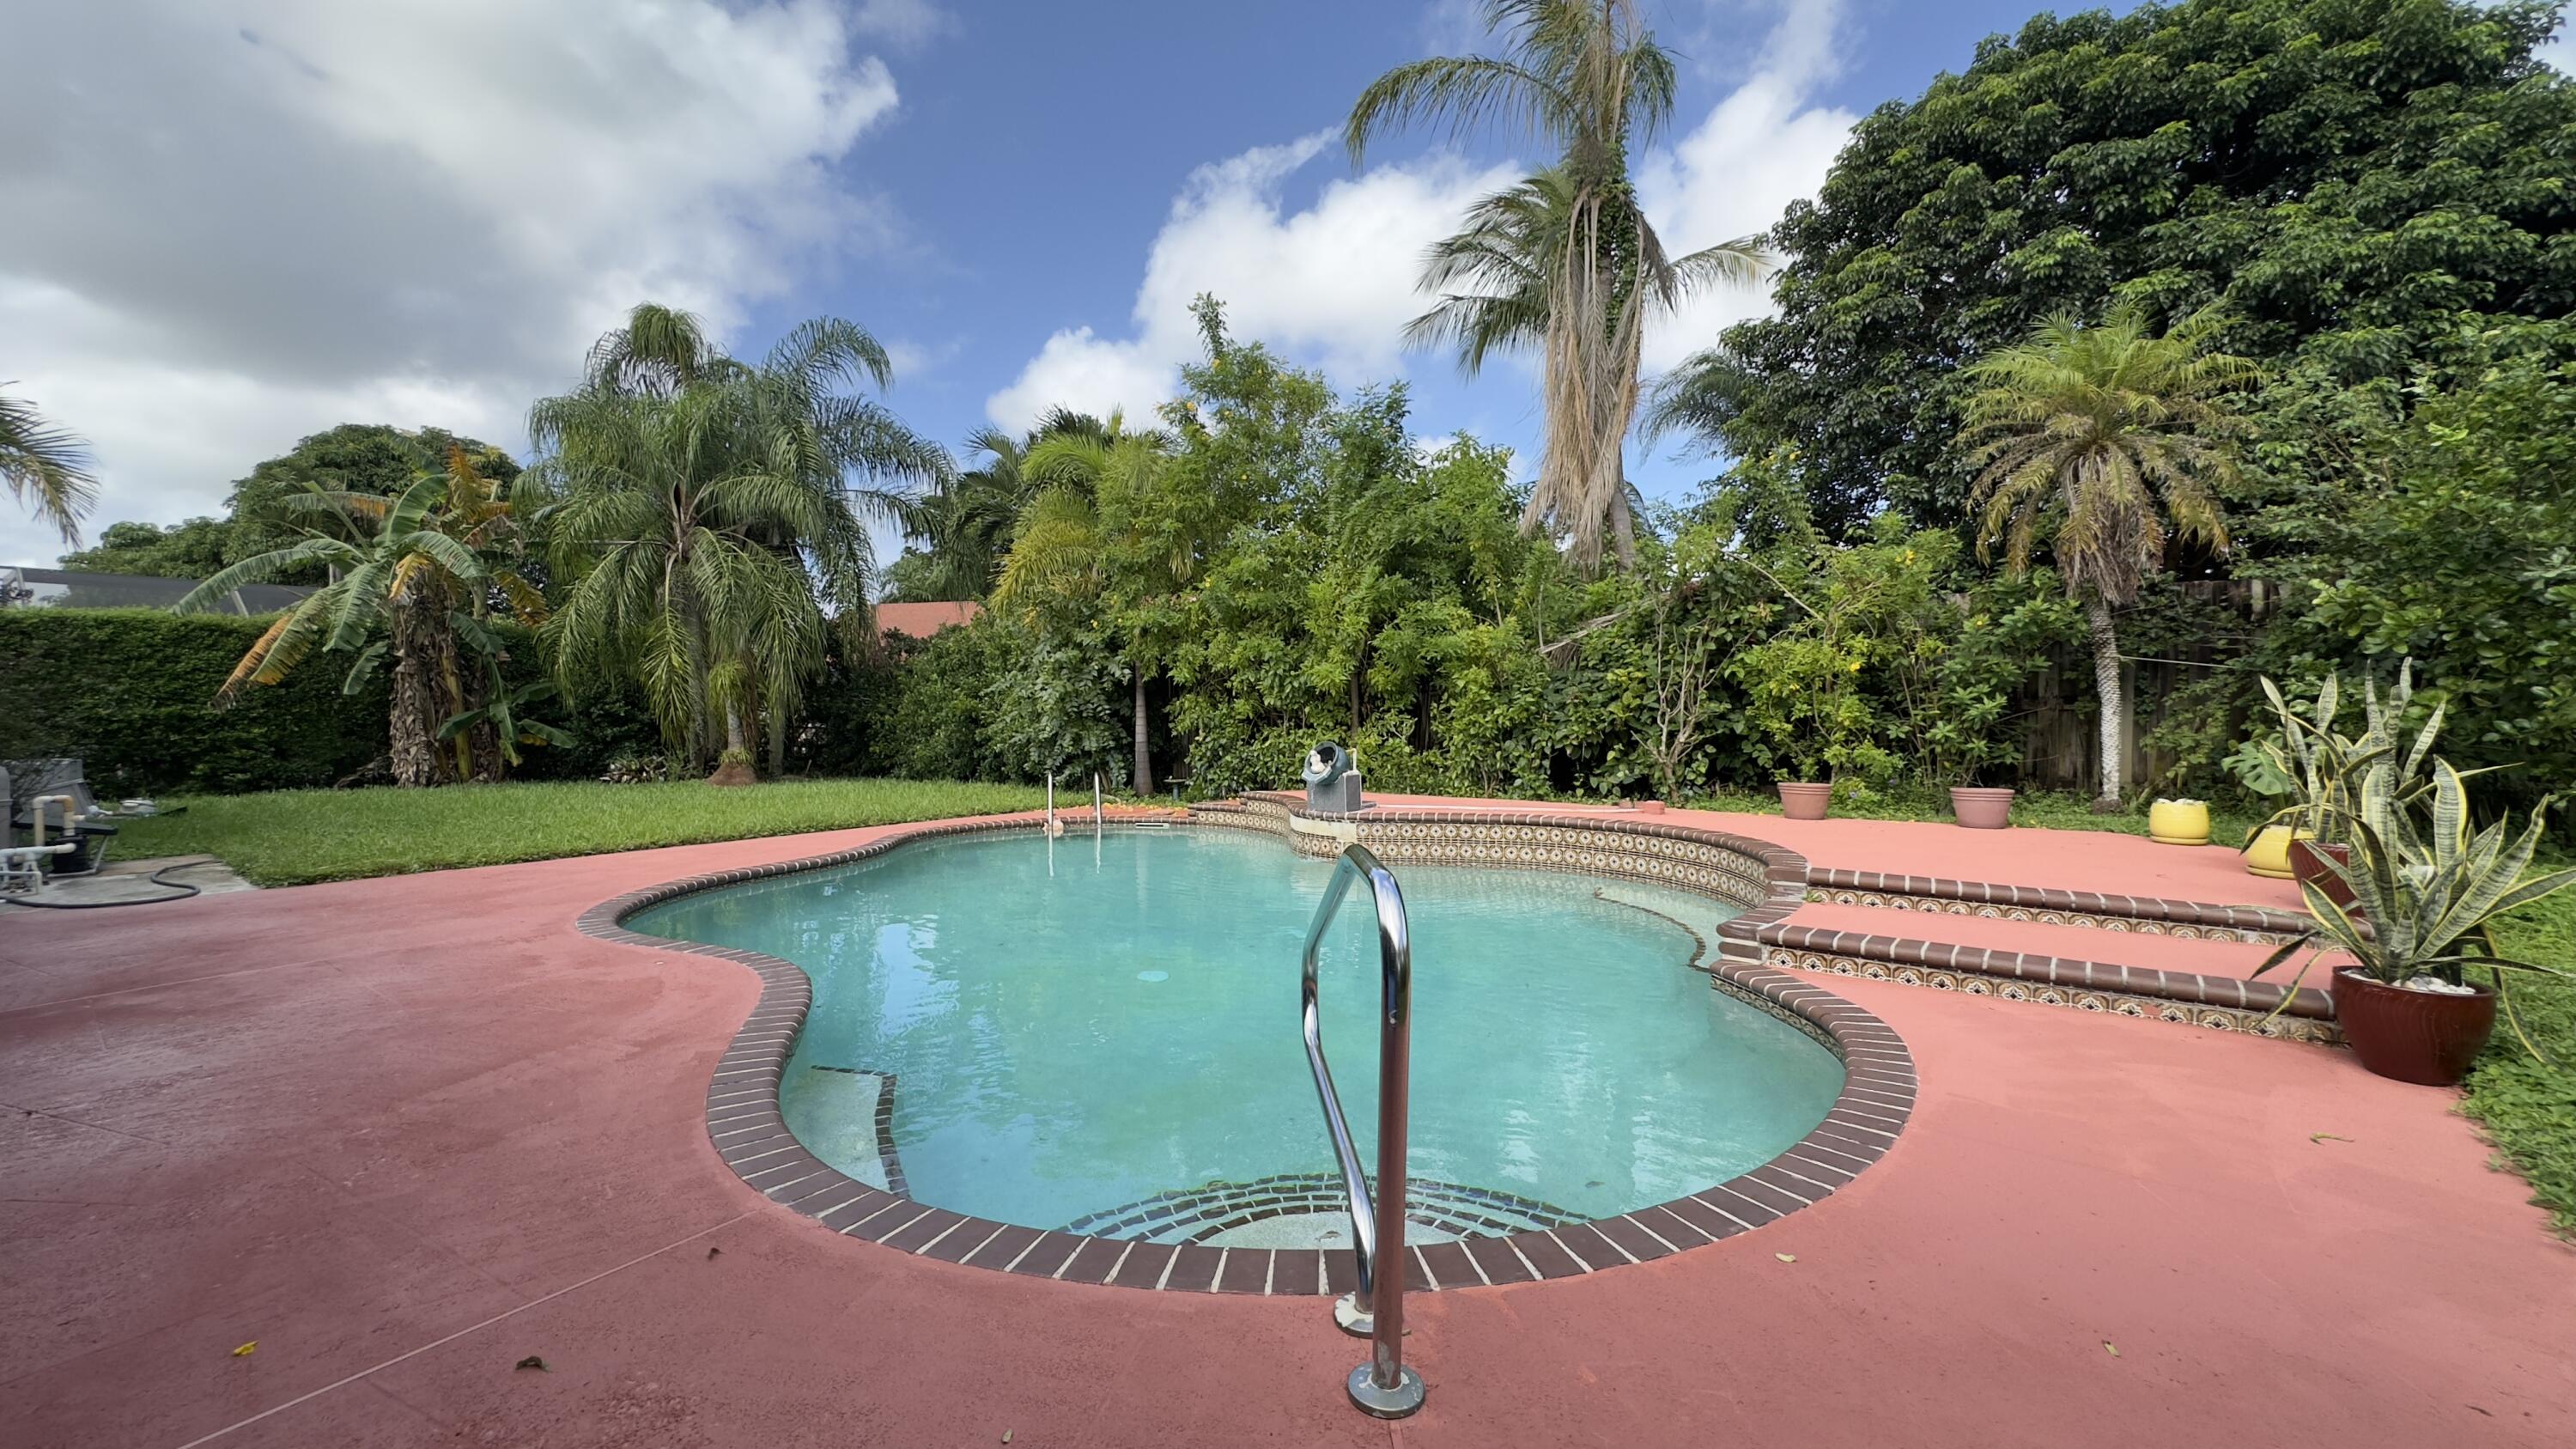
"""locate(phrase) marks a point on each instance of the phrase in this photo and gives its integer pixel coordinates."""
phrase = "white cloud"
(1732, 177)
(903, 24)
(1334, 283)
(232, 227)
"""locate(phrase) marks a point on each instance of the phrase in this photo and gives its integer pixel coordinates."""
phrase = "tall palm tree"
(2092, 438)
(407, 571)
(1565, 261)
(712, 510)
(45, 468)
(1098, 528)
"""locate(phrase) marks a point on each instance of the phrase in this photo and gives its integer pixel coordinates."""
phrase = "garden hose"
(184, 889)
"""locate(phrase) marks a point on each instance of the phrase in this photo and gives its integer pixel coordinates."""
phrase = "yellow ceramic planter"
(2269, 855)
(2178, 822)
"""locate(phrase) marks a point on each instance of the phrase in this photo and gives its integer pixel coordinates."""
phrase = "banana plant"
(504, 710)
(2426, 888)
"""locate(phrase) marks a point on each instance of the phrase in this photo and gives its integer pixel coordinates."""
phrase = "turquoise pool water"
(1077, 1026)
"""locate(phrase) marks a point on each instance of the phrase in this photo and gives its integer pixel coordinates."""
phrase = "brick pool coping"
(750, 1134)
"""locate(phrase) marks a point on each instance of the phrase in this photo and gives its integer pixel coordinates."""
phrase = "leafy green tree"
(2458, 550)
(2090, 438)
(710, 511)
(2348, 176)
(353, 458)
(46, 469)
(189, 550)
(1565, 262)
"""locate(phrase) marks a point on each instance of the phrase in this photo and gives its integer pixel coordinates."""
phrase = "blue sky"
(239, 222)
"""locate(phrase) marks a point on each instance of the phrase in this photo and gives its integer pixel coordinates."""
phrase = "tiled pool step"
(1926, 931)
(1438, 1211)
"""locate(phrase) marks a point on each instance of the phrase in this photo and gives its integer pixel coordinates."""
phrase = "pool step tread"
(1195, 1214)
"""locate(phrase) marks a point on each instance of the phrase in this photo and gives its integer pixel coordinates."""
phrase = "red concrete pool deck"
(405, 1133)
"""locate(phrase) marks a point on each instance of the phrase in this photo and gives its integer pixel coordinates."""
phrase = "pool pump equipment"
(1332, 780)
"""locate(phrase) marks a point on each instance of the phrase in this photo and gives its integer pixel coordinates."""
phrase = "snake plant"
(2426, 887)
(2328, 770)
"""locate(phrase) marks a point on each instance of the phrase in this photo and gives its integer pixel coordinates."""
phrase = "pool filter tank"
(1332, 780)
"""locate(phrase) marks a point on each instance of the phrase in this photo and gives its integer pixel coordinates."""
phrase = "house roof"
(80, 589)
(920, 621)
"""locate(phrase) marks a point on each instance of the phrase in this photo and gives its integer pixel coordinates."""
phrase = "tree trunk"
(1144, 757)
(777, 740)
(2115, 705)
(454, 705)
(412, 724)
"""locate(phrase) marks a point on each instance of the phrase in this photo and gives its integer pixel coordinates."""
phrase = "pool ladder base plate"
(1351, 1318)
(1395, 1403)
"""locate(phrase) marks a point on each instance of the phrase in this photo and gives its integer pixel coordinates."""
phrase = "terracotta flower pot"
(2425, 1037)
(1981, 807)
(2308, 865)
(1801, 800)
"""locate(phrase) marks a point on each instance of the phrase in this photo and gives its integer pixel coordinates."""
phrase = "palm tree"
(968, 523)
(1096, 529)
(46, 468)
(407, 572)
(1565, 261)
(2093, 437)
(712, 510)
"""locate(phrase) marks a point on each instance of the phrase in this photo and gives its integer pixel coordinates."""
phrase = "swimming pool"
(1098, 1034)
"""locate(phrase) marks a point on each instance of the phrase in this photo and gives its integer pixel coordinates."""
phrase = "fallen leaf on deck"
(2106, 1344)
(711, 1252)
(2326, 1137)
(533, 1362)
(1786, 1257)
(1006, 1436)
(245, 1348)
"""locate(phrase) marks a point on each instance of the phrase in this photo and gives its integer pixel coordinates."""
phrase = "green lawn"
(2528, 1107)
(291, 837)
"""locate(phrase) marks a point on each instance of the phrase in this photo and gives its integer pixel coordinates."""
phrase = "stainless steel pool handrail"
(1383, 1386)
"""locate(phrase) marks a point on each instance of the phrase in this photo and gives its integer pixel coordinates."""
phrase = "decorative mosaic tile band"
(2182, 988)
(2223, 1018)
(2145, 915)
(1200, 1213)
(1748, 873)
(750, 1133)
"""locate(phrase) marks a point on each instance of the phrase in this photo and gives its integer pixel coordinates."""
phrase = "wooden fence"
(2062, 750)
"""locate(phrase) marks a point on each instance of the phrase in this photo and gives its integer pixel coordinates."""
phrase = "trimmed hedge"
(131, 692)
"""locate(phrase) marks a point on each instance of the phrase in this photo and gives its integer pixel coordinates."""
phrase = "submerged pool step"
(1436, 1210)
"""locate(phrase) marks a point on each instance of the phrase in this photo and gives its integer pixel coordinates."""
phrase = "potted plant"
(1959, 744)
(2325, 771)
(2428, 892)
(1804, 716)
(2178, 822)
